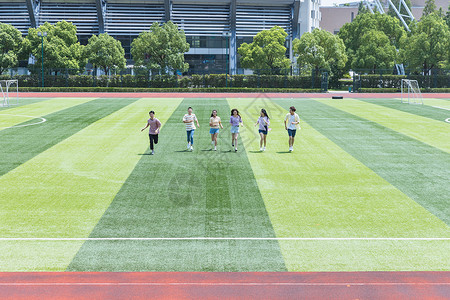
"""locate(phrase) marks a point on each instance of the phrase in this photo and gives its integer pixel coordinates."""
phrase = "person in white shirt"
(291, 124)
(189, 119)
(264, 123)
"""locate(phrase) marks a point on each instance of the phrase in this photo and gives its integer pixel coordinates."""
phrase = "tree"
(11, 47)
(428, 45)
(447, 16)
(403, 11)
(352, 33)
(430, 7)
(362, 9)
(266, 52)
(105, 52)
(61, 47)
(376, 52)
(320, 49)
(161, 48)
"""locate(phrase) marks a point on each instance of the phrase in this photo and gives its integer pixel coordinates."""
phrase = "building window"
(312, 14)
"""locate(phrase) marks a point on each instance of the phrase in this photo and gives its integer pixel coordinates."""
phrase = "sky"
(331, 2)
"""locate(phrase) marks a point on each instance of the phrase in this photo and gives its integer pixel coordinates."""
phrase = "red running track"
(209, 285)
(228, 95)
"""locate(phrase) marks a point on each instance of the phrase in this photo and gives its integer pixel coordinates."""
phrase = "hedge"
(395, 90)
(170, 81)
(166, 90)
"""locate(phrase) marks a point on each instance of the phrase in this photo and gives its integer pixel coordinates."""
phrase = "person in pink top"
(155, 126)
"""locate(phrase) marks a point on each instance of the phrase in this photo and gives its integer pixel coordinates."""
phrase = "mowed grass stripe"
(366, 256)
(64, 191)
(415, 168)
(432, 132)
(177, 193)
(427, 110)
(20, 144)
(16, 115)
(320, 190)
(22, 102)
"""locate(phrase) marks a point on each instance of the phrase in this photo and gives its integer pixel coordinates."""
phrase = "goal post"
(411, 92)
(6, 87)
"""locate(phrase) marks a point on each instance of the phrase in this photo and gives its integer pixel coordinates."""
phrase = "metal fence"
(428, 79)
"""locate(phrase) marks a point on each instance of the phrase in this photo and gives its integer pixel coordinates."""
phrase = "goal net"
(411, 92)
(9, 87)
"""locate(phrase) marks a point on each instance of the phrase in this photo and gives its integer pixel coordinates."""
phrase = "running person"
(235, 121)
(291, 124)
(155, 126)
(189, 119)
(214, 123)
(264, 123)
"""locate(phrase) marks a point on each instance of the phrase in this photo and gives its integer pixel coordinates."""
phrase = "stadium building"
(214, 28)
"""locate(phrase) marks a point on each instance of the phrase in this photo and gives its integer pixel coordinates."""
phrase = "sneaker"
(189, 146)
(235, 149)
(192, 148)
(232, 145)
(261, 149)
(264, 149)
(292, 149)
(215, 148)
(153, 152)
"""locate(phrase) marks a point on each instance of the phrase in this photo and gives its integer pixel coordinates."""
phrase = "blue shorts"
(234, 129)
(213, 130)
(263, 131)
(292, 132)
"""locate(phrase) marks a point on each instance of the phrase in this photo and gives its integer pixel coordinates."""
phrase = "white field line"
(441, 107)
(230, 238)
(25, 125)
(222, 283)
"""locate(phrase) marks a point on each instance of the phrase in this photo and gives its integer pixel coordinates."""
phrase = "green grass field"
(366, 189)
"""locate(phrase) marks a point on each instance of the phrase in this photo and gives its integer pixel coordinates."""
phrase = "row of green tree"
(371, 42)
(161, 48)
(377, 41)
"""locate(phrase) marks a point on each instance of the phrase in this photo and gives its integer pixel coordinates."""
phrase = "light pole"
(227, 36)
(42, 34)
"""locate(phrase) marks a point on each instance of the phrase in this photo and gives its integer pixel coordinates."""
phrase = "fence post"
(434, 72)
(94, 77)
(258, 83)
(381, 79)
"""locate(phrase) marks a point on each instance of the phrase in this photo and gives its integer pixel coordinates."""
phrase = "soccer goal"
(5, 87)
(411, 92)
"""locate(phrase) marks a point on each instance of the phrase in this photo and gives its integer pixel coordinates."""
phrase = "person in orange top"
(215, 123)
